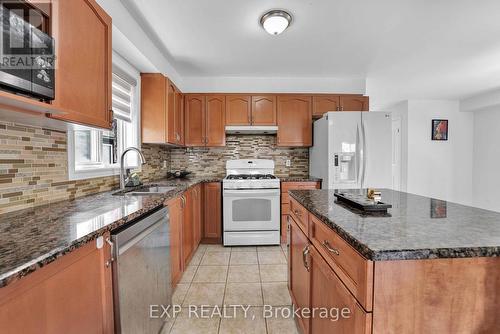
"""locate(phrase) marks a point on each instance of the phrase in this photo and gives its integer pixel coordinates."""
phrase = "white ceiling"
(404, 48)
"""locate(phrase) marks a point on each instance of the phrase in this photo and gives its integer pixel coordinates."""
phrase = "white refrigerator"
(352, 150)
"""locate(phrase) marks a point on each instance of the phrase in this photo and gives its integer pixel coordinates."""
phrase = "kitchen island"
(425, 266)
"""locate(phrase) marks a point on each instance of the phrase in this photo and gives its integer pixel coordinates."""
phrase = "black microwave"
(27, 63)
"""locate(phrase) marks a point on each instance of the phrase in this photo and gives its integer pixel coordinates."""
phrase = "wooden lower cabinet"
(70, 295)
(327, 291)
(285, 200)
(212, 213)
(188, 245)
(197, 214)
(299, 277)
(191, 229)
(176, 212)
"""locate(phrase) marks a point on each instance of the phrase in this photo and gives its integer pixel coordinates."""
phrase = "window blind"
(122, 95)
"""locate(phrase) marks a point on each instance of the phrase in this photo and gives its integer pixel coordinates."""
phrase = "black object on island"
(361, 202)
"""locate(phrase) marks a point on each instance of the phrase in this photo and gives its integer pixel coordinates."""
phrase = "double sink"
(145, 190)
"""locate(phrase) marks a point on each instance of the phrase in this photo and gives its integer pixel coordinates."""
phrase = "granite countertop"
(416, 227)
(32, 238)
(307, 178)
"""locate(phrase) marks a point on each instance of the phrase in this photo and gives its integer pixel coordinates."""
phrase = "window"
(93, 152)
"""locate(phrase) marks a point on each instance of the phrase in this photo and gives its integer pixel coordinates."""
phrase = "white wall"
(274, 85)
(440, 169)
(135, 45)
(486, 170)
(485, 109)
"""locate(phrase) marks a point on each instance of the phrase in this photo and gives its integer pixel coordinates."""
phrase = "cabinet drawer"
(300, 215)
(285, 208)
(286, 186)
(354, 270)
(285, 198)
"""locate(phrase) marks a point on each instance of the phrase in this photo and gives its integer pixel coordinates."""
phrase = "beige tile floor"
(218, 276)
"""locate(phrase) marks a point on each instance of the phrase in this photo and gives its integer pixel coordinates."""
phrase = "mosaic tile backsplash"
(34, 165)
(212, 161)
(34, 168)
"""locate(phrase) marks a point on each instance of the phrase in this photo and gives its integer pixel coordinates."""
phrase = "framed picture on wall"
(438, 208)
(439, 129)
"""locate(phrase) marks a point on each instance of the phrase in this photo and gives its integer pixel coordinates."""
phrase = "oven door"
(251, 210)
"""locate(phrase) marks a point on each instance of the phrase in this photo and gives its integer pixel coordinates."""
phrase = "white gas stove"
(251, 203)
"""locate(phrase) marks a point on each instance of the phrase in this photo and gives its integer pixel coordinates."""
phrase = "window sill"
(91, 173)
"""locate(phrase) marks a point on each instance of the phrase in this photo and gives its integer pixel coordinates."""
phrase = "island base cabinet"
(299, 283)
(70, 295)
(328, 293)
(437, 296)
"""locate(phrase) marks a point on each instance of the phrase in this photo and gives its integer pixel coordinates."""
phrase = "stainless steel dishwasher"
(141, 273)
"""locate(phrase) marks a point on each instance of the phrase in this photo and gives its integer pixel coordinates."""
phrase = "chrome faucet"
(124, 175)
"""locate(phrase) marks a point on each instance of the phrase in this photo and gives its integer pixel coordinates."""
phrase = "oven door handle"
(253, 192)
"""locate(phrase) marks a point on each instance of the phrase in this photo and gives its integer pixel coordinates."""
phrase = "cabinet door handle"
(297, 213)
(338, 108)
(326, 244)
(111, 259)
(305, 253)
(342, 108)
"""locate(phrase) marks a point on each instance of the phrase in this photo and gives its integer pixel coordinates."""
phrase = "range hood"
(251, 129)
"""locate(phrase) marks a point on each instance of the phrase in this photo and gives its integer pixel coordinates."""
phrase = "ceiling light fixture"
(275, 21)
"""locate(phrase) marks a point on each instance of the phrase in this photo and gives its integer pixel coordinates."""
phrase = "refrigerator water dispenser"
(345, 167)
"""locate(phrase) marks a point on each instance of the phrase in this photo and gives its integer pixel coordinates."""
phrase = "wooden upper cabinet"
(195, 120)
(153, 108)
(162, 113)
(264, 110)
(238, 109)
(172, 136)
(82, 33)
(215, 132)
(175, 114)
(354, 103)
(325, 103)
(294, 120)
(179, 102)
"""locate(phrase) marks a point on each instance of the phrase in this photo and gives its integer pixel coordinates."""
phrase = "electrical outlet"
(164, 164)
(288, 163)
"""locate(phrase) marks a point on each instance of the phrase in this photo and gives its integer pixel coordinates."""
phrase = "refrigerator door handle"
(364, 154)
(358, 156)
